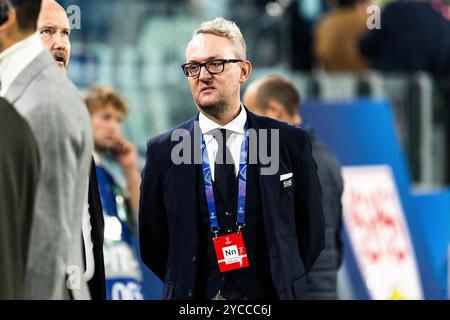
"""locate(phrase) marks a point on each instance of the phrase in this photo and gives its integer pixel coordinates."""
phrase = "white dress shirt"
(14, 59)
(234, 142)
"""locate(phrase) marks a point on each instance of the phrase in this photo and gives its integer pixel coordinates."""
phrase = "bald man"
(277, 98)
(54, 29)
(273, 97)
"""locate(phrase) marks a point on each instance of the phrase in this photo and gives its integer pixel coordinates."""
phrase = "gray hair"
(224, 28)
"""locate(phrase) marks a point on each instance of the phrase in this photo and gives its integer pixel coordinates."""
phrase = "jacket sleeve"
(153, 227)
(309, 218)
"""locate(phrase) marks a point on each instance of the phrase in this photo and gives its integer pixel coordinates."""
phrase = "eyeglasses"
(192, 69)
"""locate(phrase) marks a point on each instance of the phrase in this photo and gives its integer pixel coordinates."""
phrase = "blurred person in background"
(19, 175)
(336, 37)
(120, 199)
(189, 213)
(301, 16)
(54, 109)
(277, 98)
(414, 36)
(54, 30)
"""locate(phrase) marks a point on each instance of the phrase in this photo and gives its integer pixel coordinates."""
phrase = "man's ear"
(275, 109)
(246, 69)
(296, 119)
(10, 21)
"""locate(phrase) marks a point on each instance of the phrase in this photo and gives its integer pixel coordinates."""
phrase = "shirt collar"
(237, 125)
(16, 58)
(96, 156)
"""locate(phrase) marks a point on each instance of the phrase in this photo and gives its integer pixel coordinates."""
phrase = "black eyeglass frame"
(205, 64)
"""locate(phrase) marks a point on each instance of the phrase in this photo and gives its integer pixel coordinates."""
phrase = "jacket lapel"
(270, 195)
(270, 191)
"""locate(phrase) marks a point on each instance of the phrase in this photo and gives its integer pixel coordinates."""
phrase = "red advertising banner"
(378, 232)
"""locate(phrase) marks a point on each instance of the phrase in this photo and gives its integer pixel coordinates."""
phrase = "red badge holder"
(230, 251)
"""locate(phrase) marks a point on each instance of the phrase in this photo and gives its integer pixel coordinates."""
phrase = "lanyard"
(242, 177)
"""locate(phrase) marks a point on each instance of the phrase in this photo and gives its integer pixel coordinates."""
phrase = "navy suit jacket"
(292, 216)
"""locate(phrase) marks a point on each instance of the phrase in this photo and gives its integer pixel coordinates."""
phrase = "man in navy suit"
(229, 224)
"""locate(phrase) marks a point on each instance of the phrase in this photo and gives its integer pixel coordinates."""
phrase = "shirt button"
(190, 293)
(224, 278)
(194, 259)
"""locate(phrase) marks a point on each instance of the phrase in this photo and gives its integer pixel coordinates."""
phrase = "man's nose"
(58, 42)
(116, 127)
(204, 74)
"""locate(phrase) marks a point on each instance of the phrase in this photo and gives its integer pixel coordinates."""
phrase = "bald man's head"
(274, 97)
(54, 30)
